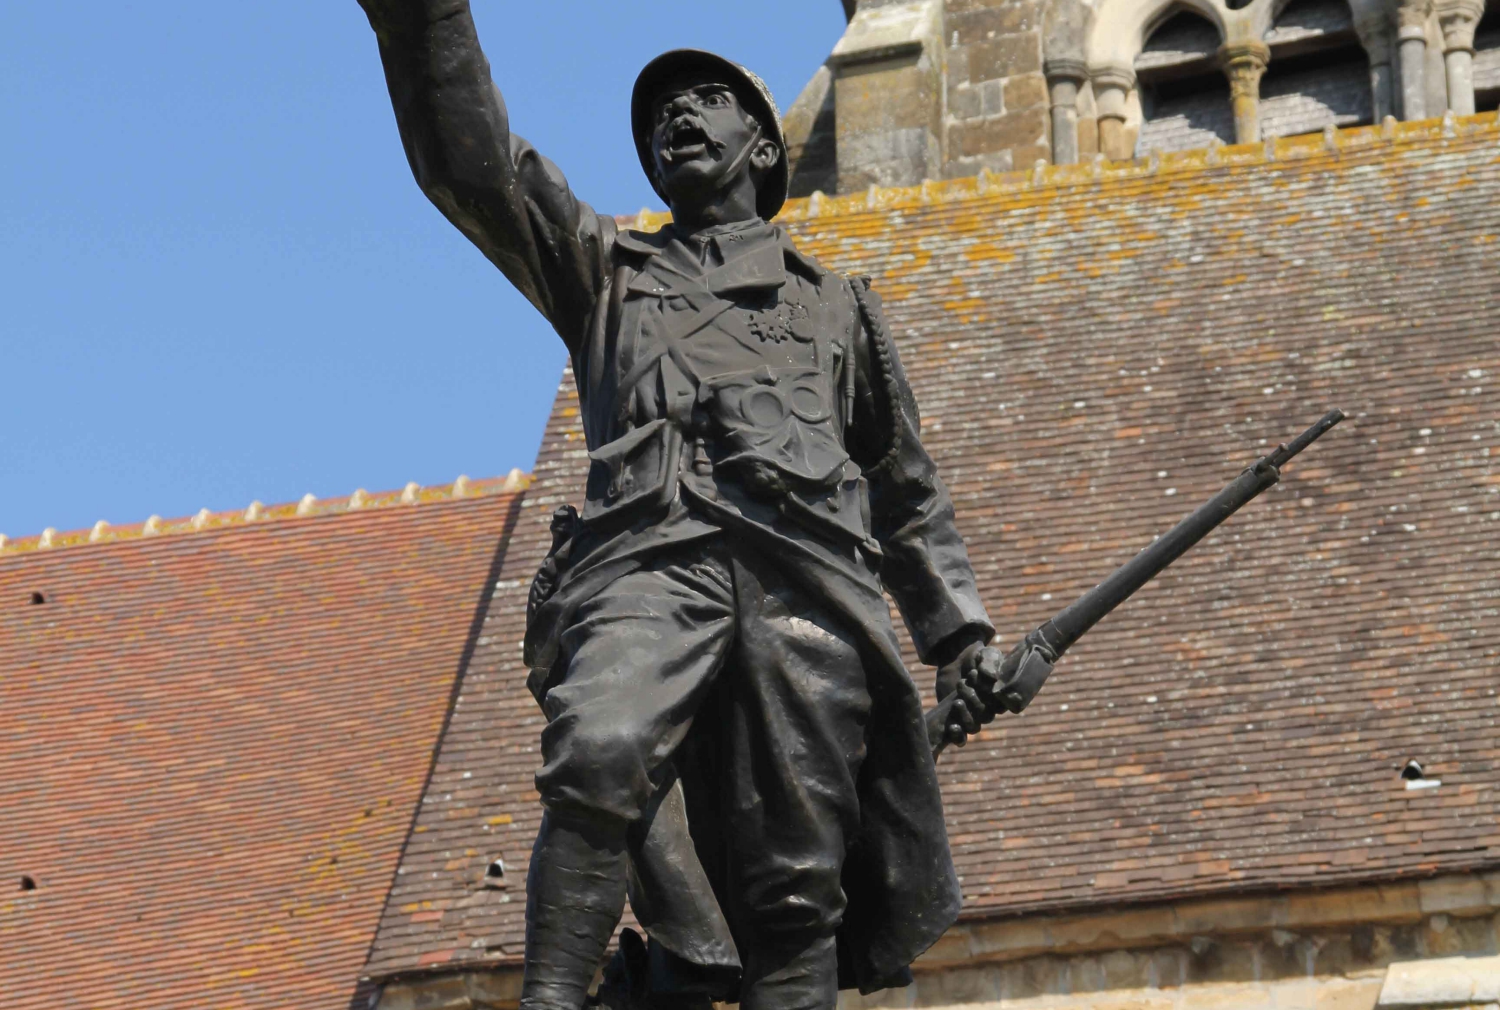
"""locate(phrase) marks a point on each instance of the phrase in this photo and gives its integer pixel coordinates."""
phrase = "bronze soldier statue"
(731, 733)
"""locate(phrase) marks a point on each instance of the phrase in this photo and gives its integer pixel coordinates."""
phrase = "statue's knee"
(798, 912)
(595, 766)
(615, 749)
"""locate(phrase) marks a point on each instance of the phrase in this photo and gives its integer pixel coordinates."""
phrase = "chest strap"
(670, 342)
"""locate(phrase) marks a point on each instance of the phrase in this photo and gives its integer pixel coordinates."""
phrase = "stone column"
(1064, 79)
(1411, 18)
(1375, 35)
(1458, 19)
(1244, 63)
(1112, 86)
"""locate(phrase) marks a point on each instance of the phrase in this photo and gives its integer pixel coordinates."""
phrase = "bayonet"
(1027, 666)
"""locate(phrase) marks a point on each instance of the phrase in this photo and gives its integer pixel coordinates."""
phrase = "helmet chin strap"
(739, 160)
(727, 176)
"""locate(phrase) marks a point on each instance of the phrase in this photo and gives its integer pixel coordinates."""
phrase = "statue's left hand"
(972, 679)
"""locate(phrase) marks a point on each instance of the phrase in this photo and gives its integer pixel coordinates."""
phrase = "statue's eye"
(716, 99)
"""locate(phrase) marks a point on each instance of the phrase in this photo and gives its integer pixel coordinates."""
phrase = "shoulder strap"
(882, 359)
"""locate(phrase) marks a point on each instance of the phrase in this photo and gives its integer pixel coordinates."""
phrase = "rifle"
(1026, 667)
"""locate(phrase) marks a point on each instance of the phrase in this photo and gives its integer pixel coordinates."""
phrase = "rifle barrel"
(1071, 623)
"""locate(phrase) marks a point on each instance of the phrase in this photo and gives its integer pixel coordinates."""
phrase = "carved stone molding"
(1411, 18)
(1458, 19)
(1244, 64)
(1375, 35)
(1064, 77)
(1411, 21)
(1121, 79)
(1112, 86)
(1065, 68)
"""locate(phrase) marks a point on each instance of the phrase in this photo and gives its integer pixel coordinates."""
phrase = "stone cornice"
(1348, 141)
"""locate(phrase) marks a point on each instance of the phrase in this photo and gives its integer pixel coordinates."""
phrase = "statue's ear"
(767, 154)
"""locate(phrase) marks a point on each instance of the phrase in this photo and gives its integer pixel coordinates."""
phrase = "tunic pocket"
(776, 427)
(635, 472)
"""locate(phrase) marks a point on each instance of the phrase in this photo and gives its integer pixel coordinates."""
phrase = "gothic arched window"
(1318, 75)
(1184, 95)
(1487, 60)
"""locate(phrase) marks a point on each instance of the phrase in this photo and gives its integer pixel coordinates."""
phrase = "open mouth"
(687, 139)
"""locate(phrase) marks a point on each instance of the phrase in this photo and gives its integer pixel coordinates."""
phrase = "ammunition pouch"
(635, 473)
(776, 430)
(840, 514)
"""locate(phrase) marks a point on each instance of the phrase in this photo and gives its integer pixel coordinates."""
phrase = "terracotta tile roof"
(212, 743)
(1095, 354)
(255, 512)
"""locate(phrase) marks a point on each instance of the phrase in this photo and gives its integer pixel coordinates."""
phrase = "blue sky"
(218, 282)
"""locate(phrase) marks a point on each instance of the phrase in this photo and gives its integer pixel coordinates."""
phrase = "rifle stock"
(1027, 666)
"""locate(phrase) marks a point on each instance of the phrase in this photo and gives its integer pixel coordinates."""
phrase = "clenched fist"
(972, 680)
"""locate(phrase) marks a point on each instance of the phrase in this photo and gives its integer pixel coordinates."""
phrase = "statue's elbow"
(422, 170)
(445, 185)
(445, 192)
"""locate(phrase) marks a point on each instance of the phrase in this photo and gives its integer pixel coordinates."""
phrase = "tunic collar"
(743, 257)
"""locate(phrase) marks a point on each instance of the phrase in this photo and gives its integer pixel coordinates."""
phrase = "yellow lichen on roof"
(1331, 143)
(308, 506)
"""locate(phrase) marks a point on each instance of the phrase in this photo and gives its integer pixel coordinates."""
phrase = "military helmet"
(753, 94)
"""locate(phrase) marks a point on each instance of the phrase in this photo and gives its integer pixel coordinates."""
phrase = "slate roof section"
(213, 741)
(1096, 351)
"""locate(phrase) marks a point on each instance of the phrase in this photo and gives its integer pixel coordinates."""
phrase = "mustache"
(689, 123)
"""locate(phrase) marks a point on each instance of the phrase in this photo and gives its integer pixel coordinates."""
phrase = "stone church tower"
(938, 89)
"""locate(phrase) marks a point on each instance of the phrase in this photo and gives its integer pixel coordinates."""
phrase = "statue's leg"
(639, 657)
(575, 892)
(795, 738)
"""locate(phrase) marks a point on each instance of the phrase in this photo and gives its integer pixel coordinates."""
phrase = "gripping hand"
(972, 681)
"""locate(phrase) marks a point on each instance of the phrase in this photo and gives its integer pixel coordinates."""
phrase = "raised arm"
(510, 201)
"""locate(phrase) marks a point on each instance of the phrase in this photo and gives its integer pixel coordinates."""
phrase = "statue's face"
(699, 129)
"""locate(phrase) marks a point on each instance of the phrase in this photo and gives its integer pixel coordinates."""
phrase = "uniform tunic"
(710, 643)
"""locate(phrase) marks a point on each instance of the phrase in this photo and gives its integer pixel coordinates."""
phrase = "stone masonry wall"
(1411, 945)
(997, 94)
(923, 89)
(1385, 946)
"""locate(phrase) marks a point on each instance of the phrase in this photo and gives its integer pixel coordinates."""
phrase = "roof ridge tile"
(307, 506)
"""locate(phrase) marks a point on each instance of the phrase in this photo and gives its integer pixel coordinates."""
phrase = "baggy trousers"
(708, 663)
